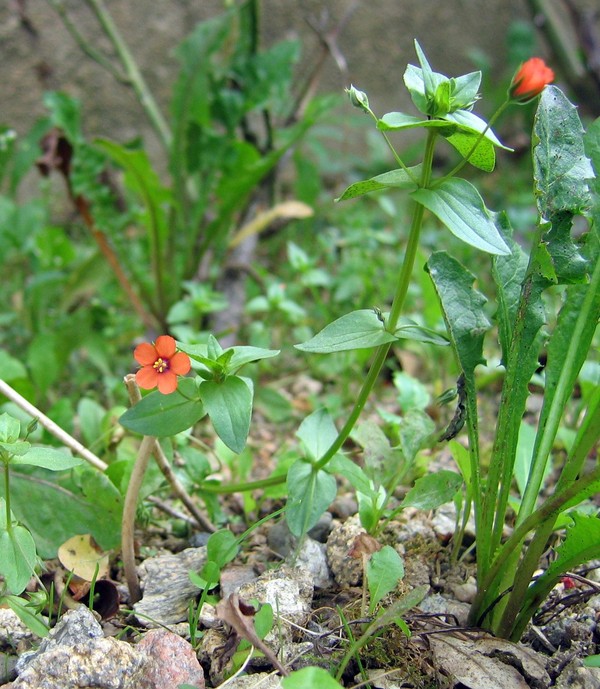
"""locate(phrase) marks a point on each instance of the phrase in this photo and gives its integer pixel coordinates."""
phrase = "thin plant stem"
(84, 44)
(134, 76)
(397, 158)
(548, 511)
(7, 497)
(128, 519)
(563, 390)
(53, 428)
(165, 467)
(397, 306)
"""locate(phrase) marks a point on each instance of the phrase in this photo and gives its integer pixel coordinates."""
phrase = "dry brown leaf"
(239, 615)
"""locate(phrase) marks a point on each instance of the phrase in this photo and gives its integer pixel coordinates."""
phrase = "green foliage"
(385, 569)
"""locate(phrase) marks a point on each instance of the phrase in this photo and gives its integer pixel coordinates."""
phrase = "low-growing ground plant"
(545, 296)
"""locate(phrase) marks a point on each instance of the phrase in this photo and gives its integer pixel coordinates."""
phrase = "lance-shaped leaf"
(398, 179)
(560, 165)
(356, 330)
(458, 205)
(462, 307)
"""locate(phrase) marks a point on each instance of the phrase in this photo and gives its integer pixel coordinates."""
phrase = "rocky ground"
(312, 589)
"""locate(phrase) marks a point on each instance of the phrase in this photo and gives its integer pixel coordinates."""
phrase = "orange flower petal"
(147, 377)
(180, 363)
(167, 382)
(165, 346)
(530, 80)
(145, 354)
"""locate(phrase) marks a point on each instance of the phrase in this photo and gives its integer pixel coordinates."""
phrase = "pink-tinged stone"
(171, 661)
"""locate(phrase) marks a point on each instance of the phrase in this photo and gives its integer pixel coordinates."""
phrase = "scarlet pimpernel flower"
(161, 364)
(530, 80)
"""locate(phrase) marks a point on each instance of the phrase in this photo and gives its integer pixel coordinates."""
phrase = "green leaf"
(483, 157)
(310, 492)
(343, 466)
(398, 179)
(581, 544)
(43, 362)
(229, 406)
(385, 569)
(11, 368)
(310, 678)
(415, 429)
(143, 180)
(209, 576)
(508, 273)
(245, 355)
(164, 415)
(356, 330)
(9, 428)
(433, 490)
(457, 204)
(469, 123)
(409, 330)
(560, 165)
(19, 556)
(462, 307)
(317, 433)
(27, 615)
(48, 458)
(90, 504)
(465, 90)
(65, 113)
(222, 547)
(400, 120)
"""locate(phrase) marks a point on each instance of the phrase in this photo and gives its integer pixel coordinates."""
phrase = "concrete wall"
(38, 54)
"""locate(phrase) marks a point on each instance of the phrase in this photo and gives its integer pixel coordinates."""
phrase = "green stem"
(7, 497)
(397, 158)
(244, 487)
(548, 511)
(397, 306)
(134, 76)
(495, 493)
(563, 390)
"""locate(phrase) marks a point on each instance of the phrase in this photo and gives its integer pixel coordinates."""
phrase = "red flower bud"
(530, 80)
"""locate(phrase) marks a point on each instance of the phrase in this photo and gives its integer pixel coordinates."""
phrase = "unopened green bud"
(358, 98)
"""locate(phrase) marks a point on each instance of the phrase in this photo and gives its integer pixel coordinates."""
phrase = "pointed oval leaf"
(164, 415)
(356, 330)
(48, 458)
(317, 433)
(310, 492)
(19, 557)
(433, 490)
(459, 206)
(398, 179)
(385, 569)
(229, 405)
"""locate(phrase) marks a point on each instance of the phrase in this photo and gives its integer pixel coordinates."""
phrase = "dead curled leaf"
(239, 616)
(364, 544)
(486, 662)
(82, 556)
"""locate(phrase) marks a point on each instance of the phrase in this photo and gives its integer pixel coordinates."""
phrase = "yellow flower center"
(161, 365)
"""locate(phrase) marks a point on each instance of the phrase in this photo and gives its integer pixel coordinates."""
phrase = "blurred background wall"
(374, 42)
(38, 54)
